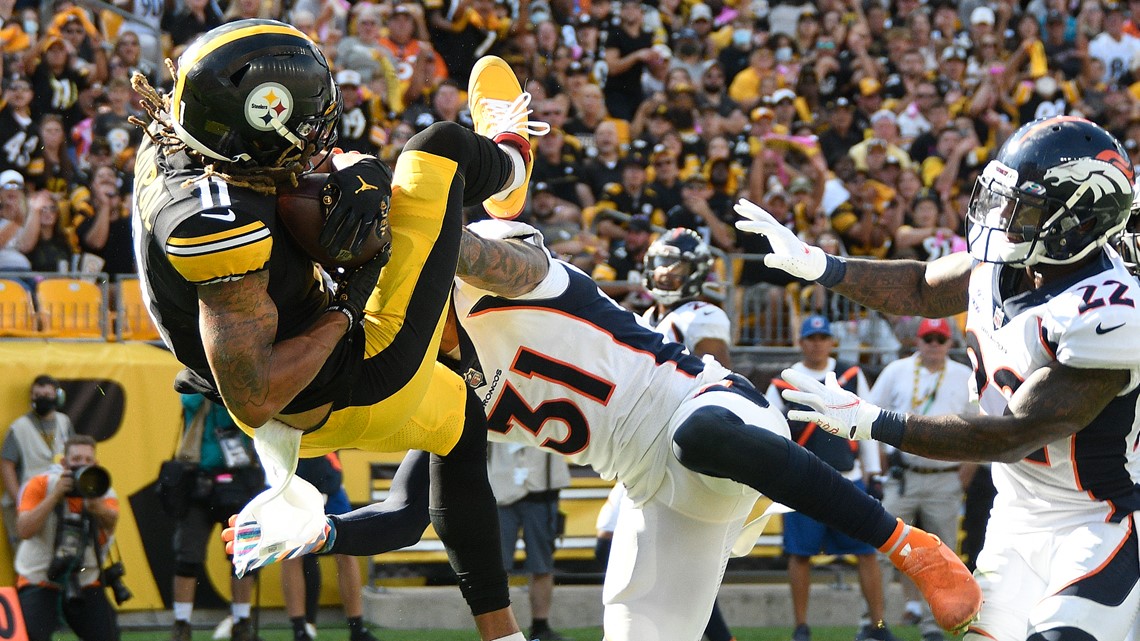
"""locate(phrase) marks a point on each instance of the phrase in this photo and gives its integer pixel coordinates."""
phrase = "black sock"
(298, 624)
(539, 625)
(355, 625)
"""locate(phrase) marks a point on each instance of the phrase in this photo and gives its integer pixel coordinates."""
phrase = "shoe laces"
(511, 115)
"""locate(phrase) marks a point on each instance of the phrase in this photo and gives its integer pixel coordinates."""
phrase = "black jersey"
(17, 141)
(207, 231)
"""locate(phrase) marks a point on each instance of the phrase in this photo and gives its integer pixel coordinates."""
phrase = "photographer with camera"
(66, 518)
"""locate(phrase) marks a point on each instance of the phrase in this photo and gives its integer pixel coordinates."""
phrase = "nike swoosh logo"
(228, 217)
(1104, 330)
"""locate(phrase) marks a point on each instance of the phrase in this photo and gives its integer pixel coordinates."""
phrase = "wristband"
(833, 272)
(346, 310)
(330, 537)
(889, 427)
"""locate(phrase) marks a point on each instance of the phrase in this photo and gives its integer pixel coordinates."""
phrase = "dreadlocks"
(263, 180)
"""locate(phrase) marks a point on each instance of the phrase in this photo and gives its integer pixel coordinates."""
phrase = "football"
(299, 208)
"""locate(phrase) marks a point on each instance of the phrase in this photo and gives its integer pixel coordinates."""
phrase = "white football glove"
(288, 519)
(789, 253)
(838, 411)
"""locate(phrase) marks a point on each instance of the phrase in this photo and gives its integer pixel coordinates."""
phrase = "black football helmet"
(256, 93)
(676, 265)
(1058, 189)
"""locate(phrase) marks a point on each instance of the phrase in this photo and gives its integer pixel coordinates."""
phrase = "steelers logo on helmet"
(269, 105)
(256, 93)
(1057, 191)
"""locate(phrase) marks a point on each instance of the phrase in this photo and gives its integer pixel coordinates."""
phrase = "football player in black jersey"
(254, 105)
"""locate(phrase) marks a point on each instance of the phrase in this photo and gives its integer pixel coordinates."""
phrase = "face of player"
(670, 277)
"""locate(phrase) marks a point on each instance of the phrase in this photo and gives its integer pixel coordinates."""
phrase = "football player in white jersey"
(675, 269)
(565, 368)
(1053, 332)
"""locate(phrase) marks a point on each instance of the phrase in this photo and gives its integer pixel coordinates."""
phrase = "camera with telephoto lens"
(113, 578)
(91, 481)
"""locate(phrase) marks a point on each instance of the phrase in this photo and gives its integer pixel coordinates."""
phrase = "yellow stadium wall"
(122, 394)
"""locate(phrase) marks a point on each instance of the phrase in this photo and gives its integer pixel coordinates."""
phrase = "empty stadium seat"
(70, 308)
(132, 320)
(16, 311)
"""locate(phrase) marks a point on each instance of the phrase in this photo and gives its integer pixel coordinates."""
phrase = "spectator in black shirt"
(196, 17)
(620, 276)
(841, 134)
(629, 47)
(696, 213)
(56, 82)
(52, 252)
(18, 135)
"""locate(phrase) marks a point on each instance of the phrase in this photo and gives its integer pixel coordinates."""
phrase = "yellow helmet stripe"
(192, 56)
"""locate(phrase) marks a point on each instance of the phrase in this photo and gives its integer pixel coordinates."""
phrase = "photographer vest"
(39, 450)
(34, 555)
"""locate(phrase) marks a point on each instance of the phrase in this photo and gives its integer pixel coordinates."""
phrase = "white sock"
(914, 607)
(518, 636)
(182, 611)
(518, 176)
(240, 610)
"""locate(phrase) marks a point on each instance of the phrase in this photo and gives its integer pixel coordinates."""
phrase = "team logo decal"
(1113, 157)
(1092, 178)
(267, 103)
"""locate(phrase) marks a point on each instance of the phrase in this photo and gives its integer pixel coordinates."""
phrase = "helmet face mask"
(676, 265)
(256, 93)
(1127, 244)
(1057, 191)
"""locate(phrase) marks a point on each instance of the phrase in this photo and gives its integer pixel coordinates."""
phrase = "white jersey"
(691, 323)
(1089, 321)
(1117, 55)
(566, 368)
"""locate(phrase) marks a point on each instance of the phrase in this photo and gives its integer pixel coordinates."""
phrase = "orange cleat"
(945, 583)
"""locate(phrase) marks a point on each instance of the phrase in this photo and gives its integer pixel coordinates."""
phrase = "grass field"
(578, 634)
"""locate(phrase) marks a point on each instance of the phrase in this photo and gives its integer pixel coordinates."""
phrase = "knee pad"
(704, 442)
(187, 569)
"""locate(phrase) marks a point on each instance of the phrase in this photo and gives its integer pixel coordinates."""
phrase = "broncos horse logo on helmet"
(255, 93)
(676, 266)
(1058, 189)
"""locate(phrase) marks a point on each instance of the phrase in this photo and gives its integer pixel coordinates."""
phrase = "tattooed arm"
(505, 268)
(936, 289)
(1054, 402)
(256, 377)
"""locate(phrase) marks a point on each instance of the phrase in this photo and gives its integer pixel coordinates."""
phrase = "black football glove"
(354, 200)
(354, 288)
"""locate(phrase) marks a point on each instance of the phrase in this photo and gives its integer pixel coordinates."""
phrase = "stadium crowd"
(861, 125)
